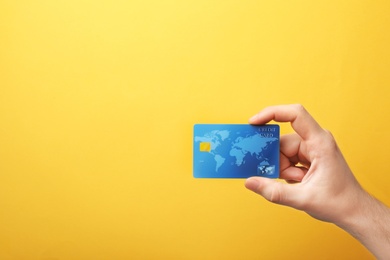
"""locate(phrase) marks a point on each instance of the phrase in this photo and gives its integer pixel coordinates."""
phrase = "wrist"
(369, 222)
(357, 211)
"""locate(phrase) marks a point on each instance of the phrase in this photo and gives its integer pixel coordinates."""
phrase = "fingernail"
(252, 184)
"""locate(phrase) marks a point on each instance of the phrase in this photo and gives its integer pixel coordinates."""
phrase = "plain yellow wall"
(97, 104)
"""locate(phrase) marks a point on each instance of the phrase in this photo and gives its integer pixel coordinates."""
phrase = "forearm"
(370, 224)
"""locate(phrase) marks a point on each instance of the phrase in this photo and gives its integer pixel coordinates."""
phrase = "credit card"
(235, 151)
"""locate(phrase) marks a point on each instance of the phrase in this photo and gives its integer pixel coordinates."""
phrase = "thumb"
(274, 191)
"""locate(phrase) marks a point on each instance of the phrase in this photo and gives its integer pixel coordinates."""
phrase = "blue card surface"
(235, 151)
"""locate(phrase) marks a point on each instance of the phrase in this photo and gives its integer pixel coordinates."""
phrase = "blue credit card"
(235, 151)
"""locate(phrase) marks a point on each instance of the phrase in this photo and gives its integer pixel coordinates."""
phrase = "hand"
(320, 182)
(325, 186)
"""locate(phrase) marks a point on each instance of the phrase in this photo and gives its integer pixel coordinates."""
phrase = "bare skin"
(320, 182)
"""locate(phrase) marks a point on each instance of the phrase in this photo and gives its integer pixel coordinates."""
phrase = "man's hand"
(319, 180)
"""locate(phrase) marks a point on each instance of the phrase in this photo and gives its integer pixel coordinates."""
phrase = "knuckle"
(330, 140)
(329, 133)
(299, 107)
(276, 195)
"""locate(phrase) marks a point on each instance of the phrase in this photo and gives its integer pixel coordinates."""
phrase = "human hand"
(324, 185)
(320, 182)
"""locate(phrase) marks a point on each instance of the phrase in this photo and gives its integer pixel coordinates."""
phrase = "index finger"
(301, 121)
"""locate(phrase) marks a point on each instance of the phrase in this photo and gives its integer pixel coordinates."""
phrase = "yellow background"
(97, 104)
